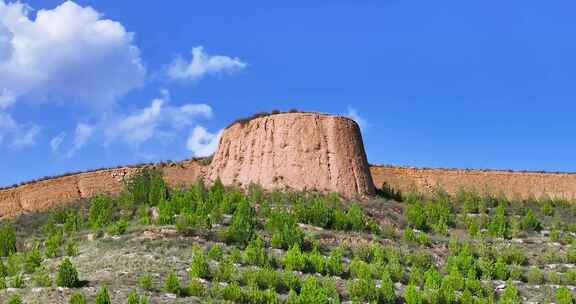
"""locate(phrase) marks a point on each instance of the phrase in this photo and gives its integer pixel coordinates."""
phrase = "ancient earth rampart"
(298, 151)
(45, 194)
(512, 184)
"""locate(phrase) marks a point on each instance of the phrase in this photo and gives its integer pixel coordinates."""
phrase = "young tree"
(67, 275)
(102, 296)
(7, 240)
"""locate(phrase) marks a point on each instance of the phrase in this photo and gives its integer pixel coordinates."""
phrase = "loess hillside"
(152, 243)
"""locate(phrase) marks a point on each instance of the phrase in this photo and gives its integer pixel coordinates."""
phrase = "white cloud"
(353, 114)
(203, 143)
(156, 121)
(202, 64)
(81, 136)
(66, 52)
(56, 141)
(16, 135)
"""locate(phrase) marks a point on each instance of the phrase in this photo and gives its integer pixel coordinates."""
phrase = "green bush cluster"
(284, 229)
(436, 214)
(67, 275)
(329, 214)
(7, 240)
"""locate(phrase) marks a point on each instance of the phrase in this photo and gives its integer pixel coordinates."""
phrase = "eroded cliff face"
(46, 194)
(512, 184)
(299, 151)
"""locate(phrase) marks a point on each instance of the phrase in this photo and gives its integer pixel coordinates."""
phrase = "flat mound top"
(243, 121)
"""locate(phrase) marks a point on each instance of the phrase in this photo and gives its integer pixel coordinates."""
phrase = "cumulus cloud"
(203, 143)
(155, 121)
(158, 122)
(363, 123)
(16, 135)
(67, 52)
(202, 64)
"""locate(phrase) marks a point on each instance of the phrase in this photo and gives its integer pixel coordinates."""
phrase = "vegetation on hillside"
(215, 243)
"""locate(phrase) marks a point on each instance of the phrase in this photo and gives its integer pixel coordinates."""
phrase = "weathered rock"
(299, 151)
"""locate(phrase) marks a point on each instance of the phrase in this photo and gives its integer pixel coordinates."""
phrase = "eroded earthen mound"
(300, 151)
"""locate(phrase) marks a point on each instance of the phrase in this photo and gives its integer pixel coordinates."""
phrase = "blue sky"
(470, 84)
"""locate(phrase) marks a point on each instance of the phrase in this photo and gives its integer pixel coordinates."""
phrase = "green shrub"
(145, 282)
(14, 264)
(157, 190)
(498, 226)
(199, 267)
(360, 269)
(7, 240)
(387, 292)
(42, 279)
(3, 269)
(172, 283)
(501, 271)
(215, 252)
(67, 275)
(334, 265)
(548, 208)
(73, 223)
(225, 270)
(133, 297)
(195, 288)
(143, 216)
(355, 216)
(554, 277)
(412, 295)
(570, 276)
(294, 259)
(313, 292)
(242, 228)
(315, 262)
(316, 212)
(530, 222)
(33, 260)
(100, 212)
(15, 299)
(363, 290)
(77, 298)
(416, 215)
(17, 281)
(3, 284)
(118, 228)
(513, 255)
(102, 296)
(284, 229)
(71, 249)
(535, 276)
(255, 253)
(52, 245)
(564, 296)
(233, 292)
(262, 297)
(510, 295)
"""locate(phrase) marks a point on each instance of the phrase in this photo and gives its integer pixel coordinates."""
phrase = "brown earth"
(300, 151)
(45, 194)
(512, 184)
